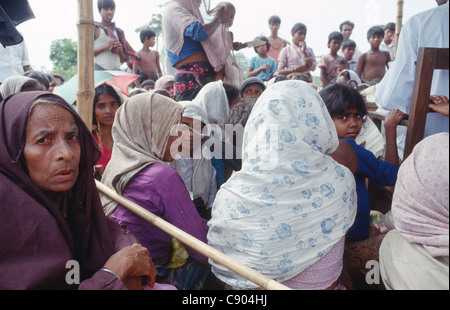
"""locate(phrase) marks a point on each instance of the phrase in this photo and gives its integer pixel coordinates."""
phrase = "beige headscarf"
(141, 131)
(13, 85)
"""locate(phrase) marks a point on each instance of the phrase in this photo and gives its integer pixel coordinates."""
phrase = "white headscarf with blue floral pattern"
(291, 202)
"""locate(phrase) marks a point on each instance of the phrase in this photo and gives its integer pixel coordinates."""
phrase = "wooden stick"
(217, 256)
(86, 84)
(399, 25)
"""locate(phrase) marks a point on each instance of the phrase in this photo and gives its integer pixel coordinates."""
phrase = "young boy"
(348, 50)
(372, 65)
(327, 63)
(111, 49)
(347, 108)
(276, 43)
(150, 68)
(262, 66)
(388, 42)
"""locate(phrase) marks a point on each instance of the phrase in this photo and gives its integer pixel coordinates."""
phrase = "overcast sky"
(57, 19)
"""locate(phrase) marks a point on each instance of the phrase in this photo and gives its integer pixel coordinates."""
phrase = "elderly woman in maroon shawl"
(53, 232)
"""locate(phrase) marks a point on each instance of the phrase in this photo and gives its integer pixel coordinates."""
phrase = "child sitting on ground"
(327, 62)
(262, 66)
(372, 65)
(348, 50)
(150, 68)
(348, 110)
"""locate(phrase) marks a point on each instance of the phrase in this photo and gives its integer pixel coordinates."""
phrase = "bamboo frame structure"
(232, 264)
(399, 25)
(86, 84)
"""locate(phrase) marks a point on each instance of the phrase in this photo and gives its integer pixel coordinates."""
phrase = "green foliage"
(64, 55)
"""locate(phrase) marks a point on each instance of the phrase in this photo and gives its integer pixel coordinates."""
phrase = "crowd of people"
(291, 201)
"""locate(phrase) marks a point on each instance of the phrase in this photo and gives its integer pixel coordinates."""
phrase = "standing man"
(13, 60)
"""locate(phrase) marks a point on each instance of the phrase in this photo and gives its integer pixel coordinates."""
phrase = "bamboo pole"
(399, 25)
(86, 84)
(232, 264)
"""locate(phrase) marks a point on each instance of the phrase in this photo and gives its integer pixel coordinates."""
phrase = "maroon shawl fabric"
(36, 241)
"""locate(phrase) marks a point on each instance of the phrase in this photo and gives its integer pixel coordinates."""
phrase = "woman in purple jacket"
(138, 170)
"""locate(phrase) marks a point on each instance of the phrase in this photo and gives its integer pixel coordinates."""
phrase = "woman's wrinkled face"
(52, 149)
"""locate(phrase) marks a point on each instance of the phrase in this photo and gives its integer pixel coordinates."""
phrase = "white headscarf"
(13, 85)
(283, 220)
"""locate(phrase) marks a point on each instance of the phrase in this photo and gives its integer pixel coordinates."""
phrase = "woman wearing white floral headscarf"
(286, 212)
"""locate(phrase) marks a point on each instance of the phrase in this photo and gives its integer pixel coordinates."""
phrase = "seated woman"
(107, 100)
(414, 256)
(16, 84)
(188, 42)
(138, 170)
(53, 224)
(287, 211)
(166, 83)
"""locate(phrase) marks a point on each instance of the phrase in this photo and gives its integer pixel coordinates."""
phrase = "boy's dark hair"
(375, 30)
(262, 38)
(390, 26)
(232, 92)
(281, 78)
(40, 77)
(104, 89)
(297, 27)
(348, 43)
(147, 82)
(340, 98)
(274, 20)
(347, 22)
(146, 33)
(301, 77)
(106, 4)
(341, 62)
(335, 36)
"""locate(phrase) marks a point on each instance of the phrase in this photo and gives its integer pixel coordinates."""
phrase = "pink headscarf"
(421, 198)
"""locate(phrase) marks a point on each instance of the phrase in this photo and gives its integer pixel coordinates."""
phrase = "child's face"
(253, 91)
(151, 41)
(299, 36)
(349, 124)
(274, 27)
(389, 35)
(335, 46)
(349, 52)
(347, 31)
(107, 14)
(340, 68)
(375, 40)
(262, 50)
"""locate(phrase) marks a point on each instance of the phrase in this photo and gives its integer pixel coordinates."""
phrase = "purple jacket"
(161, 190)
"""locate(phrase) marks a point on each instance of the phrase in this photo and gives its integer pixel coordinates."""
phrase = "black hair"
(232, 92)
(40, 77)
(390, 26)
(106, 4)
(281, 78)
(104, 89)
(297, 27)
(375, 30)
(347, 22)
(340, 98)
(335, 36)
(341, 62)
(262, 38)
(301, 77)
(147, 82)
(146, 33)
(348, 43)
(31, 83)
(274, 20)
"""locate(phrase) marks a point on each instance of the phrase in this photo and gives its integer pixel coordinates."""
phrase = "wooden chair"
(428, 60)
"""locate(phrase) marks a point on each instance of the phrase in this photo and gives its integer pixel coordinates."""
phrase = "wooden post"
(399, 25)
(86, 84)
(232, 264)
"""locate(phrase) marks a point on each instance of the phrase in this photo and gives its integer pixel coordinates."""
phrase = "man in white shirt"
(426, 29)
(14, 60)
